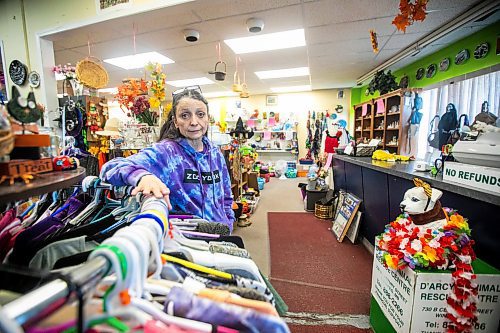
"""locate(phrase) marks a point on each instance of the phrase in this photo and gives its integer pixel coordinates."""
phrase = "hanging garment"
(332, 142)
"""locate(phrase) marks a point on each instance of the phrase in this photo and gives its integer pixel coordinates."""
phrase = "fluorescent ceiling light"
(220, 94)
(291, 89)
(267, 42)
(139, 60)
(290, 72)
(108, 90)
(198, 81)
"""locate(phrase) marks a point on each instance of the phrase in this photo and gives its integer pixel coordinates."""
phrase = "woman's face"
(191, 118)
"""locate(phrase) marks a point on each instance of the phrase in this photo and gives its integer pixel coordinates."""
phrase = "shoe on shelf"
(243, 221)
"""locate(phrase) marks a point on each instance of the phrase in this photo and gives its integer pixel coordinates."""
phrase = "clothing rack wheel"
(42, 183)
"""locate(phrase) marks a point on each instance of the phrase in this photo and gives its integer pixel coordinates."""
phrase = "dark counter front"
(381, 186)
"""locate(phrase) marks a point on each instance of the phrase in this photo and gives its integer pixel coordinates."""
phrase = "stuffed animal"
(422, 204)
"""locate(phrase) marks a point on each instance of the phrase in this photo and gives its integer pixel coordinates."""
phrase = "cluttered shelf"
(42, 183)
(273, 151)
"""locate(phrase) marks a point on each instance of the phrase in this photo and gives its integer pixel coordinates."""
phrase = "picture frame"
(271, 100)
(353, 231)
(105, 6)
(347, 207)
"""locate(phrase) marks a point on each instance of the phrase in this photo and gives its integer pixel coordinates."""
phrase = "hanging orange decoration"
(373, 38)
(409, 12)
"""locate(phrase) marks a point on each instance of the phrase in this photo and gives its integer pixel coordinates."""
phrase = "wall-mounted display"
(34, 79)
(431, 71)
(420, 73)
(462, 57)
(444, 64)
(481, 50)
(18, 72)
(404, 82)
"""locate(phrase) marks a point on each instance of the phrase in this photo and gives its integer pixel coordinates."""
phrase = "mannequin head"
(451, 107)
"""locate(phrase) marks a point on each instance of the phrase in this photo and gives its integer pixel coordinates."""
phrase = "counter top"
(407, 170)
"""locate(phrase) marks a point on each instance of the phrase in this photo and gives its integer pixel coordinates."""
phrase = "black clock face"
(431, 71)
(420, 73)
(462, 57)
(17, 72)
(444, 64)
(481, 50)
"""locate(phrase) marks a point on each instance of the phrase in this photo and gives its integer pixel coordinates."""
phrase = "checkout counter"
(381, 186)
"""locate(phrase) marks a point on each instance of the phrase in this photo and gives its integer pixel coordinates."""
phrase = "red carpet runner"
(322, 281)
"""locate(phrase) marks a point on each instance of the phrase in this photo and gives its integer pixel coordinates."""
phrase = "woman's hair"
(168, 130)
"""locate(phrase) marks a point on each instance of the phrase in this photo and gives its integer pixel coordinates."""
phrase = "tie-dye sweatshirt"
(199, 182)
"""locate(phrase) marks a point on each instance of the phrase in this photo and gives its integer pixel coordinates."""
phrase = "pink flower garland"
(449, 247)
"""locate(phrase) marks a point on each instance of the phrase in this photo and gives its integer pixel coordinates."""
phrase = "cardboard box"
(415, 301)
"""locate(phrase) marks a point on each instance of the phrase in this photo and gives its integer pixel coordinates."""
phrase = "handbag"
(433, 137)
(455, 135)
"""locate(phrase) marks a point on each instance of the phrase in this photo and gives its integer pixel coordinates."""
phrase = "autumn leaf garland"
(410, 12)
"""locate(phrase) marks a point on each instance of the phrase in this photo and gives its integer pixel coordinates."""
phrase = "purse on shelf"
(433, 137)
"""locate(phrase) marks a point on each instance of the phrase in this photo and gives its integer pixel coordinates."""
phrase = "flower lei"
(406, 244)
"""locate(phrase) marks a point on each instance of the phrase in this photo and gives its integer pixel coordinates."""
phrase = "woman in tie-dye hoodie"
(183, 167)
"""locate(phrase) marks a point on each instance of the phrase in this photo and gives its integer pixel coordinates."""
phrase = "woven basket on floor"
(323, 211)
(91, 73)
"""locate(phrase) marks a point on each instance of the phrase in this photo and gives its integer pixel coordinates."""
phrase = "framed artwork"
(103, 6)
(271, 100)
(347, 206)
(352, 232)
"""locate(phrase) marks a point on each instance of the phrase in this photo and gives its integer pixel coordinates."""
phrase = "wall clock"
(17, 72)
(481, 50)
(420, 73)
(444, 64)
(462, 57)
(431, 71)
(34, 79)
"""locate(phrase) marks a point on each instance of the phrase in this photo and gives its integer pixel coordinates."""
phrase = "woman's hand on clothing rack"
(152, 185)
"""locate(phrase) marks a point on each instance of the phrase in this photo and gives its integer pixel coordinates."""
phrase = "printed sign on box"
(416, 302)
(472, 175)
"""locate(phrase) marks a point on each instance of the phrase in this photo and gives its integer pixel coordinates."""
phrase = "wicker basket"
(6, 142)
(92, 74)
(323, 211)
(364, 151)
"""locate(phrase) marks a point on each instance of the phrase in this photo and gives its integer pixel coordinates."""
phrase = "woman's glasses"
(184, 91)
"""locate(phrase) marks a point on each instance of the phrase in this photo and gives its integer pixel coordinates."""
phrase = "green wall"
(488, 34)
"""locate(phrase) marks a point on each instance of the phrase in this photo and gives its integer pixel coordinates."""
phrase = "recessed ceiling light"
(198, 81)
(139, 60)
(220, 94)
(267, 42)
(291, 89)
(289, 72)
(108, 90)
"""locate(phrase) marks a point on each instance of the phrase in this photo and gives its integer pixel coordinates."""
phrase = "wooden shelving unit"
(388, 125)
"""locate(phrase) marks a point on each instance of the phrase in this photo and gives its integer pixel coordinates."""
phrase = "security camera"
(191, 35)
(255, 25)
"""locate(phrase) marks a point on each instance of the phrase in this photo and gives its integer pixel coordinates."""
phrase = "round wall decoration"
(18, 72)
(481, 50)
(420, 73)
(431, 71)
(34, 79)
(404, 82)
(462, 57)
(444, 64)
(367, 92)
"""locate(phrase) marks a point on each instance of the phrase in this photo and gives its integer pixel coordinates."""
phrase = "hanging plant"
(410, 12)
(383, 82)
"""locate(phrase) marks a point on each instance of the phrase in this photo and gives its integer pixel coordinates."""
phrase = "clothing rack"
(51, 296)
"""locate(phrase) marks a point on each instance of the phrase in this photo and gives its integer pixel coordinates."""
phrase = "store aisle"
(277, 196)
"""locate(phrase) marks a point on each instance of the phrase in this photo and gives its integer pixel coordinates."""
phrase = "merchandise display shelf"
(379, 116)
(42, 183)
(273, 151)
(393, 113)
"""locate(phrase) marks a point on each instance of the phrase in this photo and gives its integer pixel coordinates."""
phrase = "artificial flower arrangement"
(156, 85)
(450, 247)
(410, 12)
(128, 91)
(67, 70)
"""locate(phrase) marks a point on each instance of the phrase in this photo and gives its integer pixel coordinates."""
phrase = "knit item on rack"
(213, 228)
(243, 292)
(231, 250)
(198, 181)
